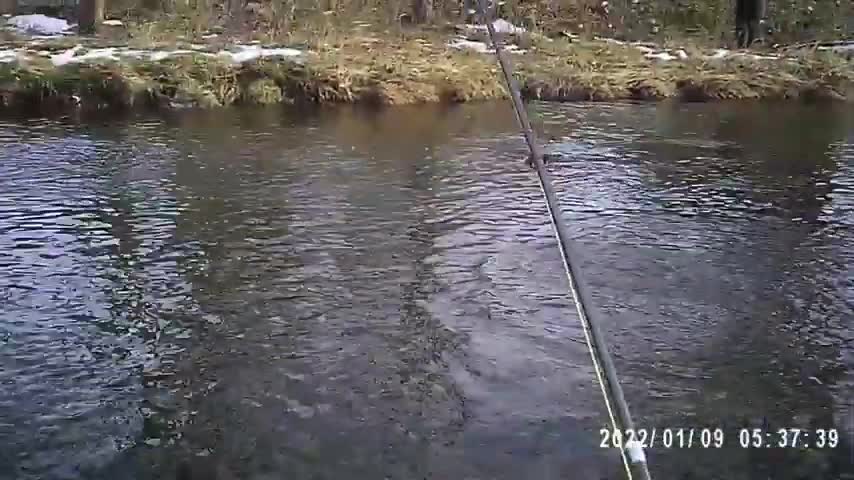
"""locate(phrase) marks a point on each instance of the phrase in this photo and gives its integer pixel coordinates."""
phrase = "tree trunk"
(235, 8)
(90, 13)
(8, 6)
(468, 12)
(422, 11)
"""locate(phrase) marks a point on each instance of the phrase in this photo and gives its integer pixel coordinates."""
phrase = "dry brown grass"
(602, 71)
(403, 67)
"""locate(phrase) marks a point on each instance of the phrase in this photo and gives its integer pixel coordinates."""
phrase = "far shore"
(410, 67)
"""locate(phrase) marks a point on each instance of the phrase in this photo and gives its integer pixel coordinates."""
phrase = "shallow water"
(341, 293)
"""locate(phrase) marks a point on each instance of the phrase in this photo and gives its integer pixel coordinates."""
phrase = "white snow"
(252, 52)
(464, 41)
(8, 56)
(846, 50)
(481, 47)
(663, 56)
(66, 56)
(611, 40)
(245, 53)
(719, 53)
(503, 26)
(500, 26)
(462, 44)
(649, 52)
(112, 23)
(38, 23)
(158, 56)
(762, 57)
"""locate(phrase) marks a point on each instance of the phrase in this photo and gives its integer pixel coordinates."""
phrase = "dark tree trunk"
(748, 13)
(8, 6)
(422, 11)
(90, 13)
(235, 8)
(469, 11)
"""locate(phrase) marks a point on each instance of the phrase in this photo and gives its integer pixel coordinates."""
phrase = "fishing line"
(632, 452)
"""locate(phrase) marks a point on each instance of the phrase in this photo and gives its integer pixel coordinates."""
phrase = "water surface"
(260, 294)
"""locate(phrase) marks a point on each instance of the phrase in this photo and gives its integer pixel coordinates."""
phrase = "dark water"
(346, 294)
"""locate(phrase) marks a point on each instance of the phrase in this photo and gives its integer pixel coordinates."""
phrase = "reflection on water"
(344, 293)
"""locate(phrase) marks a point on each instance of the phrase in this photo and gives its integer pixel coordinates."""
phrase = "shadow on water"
(379, 295)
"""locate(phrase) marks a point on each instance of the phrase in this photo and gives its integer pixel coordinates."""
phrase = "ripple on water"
(71, 392)
(344, 295)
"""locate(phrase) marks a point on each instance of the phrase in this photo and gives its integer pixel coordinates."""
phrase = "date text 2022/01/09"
(719, 438)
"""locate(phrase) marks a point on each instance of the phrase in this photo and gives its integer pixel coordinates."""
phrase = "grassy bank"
(414, 66)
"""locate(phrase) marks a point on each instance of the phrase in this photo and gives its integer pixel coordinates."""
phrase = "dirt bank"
(400, 68)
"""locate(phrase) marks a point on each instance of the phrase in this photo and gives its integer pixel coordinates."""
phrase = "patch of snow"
(500, 26)
(38, 23)
(462, 44)
(133, 53)
(663, 56)
(762, 57)
(846, 50)
(97, 54)
(210, 35)
(503, 26)
(66, 56)
(245, 54)
(252, 52)
(112, 23)
(109, 53)
(158, 56)
(8, 56)
(751, 56)
(681, 54)
(719, 53)
(481, 47)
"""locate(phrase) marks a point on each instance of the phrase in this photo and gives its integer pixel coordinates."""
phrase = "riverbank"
(402, 67)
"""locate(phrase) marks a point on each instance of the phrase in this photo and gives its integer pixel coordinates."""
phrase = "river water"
(260, 294)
